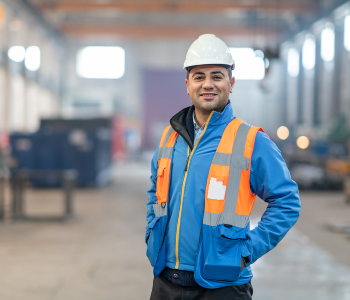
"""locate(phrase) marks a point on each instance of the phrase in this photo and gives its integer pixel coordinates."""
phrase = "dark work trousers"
(164, 288)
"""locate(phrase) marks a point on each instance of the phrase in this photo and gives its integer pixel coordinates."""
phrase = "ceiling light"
(347, 33)
(293, 62)
(309, 53)
(17, 53)
(32, 58)
(101, 62)
(327, 44)
(247, 65)
(303, 142)
(283, 132)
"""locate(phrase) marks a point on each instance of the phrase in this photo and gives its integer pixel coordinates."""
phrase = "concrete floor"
(100, 254)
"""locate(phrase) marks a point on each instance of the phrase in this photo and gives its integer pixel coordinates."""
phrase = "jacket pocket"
(223, 260)
(160, 181)
(153, 243)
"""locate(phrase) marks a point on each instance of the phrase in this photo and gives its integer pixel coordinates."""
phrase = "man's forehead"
(207, 68)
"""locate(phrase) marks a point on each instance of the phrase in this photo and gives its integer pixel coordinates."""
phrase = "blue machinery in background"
(81, 145)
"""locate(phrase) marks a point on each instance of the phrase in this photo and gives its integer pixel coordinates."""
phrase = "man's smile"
(208, 96)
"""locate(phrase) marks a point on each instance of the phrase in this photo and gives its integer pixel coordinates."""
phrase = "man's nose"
(208, 83)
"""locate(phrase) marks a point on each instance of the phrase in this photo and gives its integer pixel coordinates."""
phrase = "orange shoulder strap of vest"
(165, 153)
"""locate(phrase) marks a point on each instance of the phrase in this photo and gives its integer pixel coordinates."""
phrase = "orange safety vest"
(165, 153)
(228, 198)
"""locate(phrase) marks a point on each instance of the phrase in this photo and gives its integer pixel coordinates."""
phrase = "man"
(206, 173)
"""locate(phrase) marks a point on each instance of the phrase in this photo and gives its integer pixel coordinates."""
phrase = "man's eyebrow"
(198, 73)
(217, 72)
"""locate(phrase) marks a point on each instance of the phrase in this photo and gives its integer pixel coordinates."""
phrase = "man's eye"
(199, 77)
(217, 77)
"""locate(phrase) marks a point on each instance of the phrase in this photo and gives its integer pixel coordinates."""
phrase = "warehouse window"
(101, 62)
(309, 52)
(32, 58)
(327, 44)
(248, 65)
(17, 53)
(293, 62)
(347, 33)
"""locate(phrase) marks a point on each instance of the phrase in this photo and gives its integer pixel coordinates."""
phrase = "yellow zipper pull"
(188, 158)
(186, 167)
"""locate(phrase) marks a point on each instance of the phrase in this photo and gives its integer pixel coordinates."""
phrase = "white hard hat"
(208, 50)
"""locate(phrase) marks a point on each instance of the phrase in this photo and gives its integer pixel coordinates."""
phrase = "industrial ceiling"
(181, 19)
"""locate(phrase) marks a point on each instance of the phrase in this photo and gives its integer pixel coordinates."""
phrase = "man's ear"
(188, 92)
(232, 83)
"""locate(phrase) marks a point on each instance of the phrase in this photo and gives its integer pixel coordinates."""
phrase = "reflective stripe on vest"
(165, 153)
(228, 198)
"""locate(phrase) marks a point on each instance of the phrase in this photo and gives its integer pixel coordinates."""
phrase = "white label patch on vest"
(216, 190)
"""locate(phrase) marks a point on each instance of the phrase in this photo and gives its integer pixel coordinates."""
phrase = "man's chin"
(209, 106)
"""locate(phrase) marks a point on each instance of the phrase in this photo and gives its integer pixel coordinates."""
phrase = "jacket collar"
(223, 117)
(182, 122)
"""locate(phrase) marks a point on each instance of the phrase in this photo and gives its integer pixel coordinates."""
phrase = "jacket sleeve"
(152, 199)
(270, 180)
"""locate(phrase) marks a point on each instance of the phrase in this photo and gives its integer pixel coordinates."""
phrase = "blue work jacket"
(180, 231)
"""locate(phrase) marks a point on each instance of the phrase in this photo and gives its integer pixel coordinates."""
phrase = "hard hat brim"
(189, 68)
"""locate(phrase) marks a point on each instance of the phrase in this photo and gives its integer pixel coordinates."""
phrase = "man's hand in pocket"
(242, 263)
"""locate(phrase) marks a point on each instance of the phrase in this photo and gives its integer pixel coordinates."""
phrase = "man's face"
(209, 87)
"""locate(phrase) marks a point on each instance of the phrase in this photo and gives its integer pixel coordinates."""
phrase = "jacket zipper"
(189, 155)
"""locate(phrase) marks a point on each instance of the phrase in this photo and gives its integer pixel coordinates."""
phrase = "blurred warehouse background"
(87, 87)
(121, 61)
